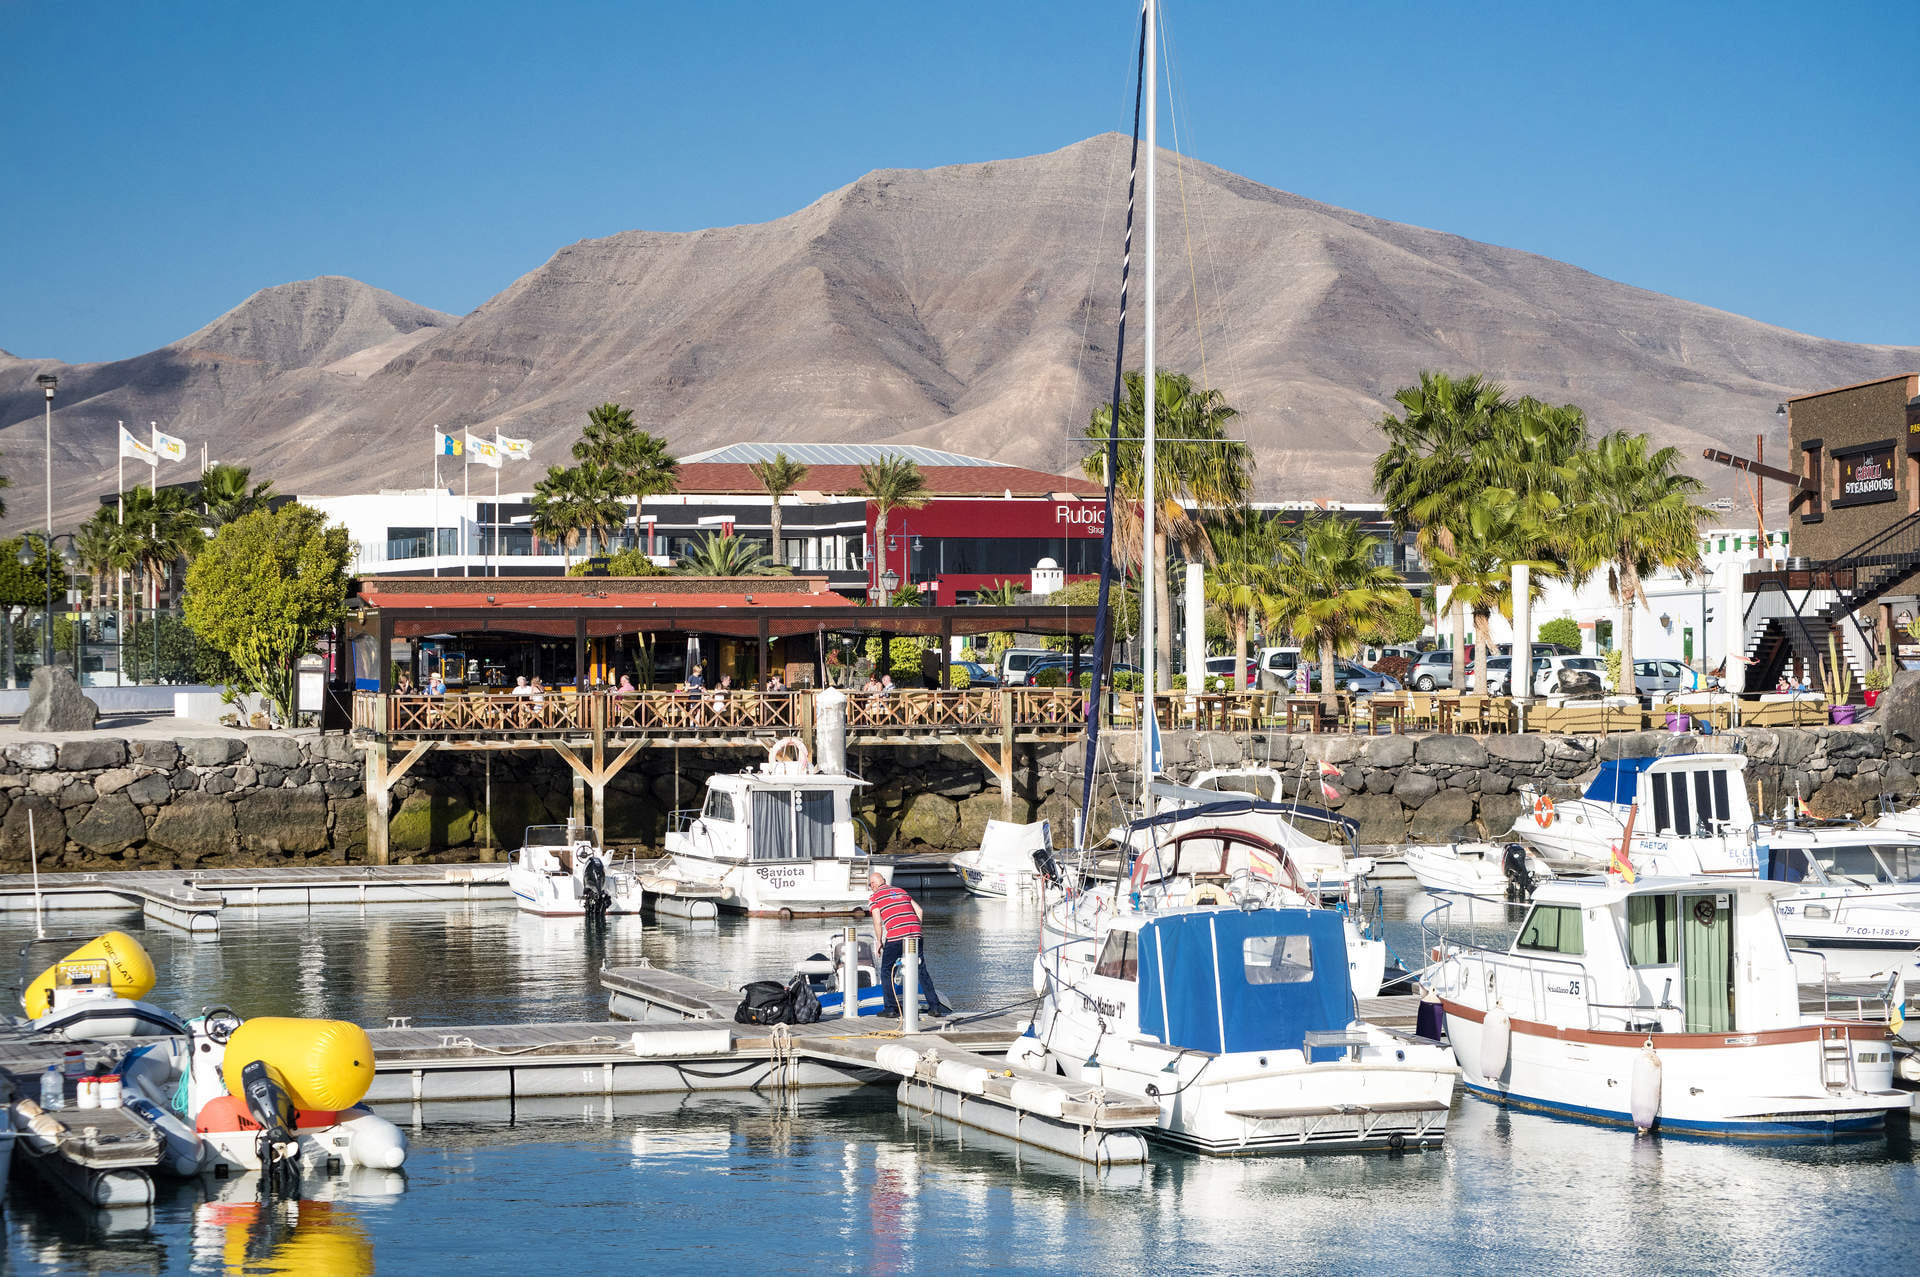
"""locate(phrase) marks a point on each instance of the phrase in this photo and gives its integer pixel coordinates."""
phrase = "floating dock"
(193, 900)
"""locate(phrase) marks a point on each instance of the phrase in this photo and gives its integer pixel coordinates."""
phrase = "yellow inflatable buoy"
(115, 960)
(325, 1065)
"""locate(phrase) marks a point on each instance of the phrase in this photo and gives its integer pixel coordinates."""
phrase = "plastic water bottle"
(53, 1088)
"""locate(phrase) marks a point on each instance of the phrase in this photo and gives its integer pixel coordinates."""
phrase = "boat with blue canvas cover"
(1662, 1004)
(1239, 1020)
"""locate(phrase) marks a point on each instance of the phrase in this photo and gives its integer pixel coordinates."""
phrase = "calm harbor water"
(843, 1182)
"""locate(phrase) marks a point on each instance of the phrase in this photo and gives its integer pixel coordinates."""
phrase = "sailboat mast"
(1149, 647)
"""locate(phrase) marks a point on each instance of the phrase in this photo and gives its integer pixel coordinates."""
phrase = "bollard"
(850, 973)
(910, 985)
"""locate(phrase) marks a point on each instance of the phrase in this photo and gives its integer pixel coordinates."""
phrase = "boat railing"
(681, 819)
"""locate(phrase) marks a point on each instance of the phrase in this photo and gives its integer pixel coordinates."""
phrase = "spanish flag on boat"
(1622, 865)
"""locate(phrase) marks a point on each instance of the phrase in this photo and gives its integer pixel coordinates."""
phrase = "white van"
(1276, 667)
(1015, 660)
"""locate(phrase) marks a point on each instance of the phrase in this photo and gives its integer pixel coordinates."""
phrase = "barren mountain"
(970, 306)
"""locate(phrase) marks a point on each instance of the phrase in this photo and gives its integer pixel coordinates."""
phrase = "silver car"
(1663, 675)
(1432, 669)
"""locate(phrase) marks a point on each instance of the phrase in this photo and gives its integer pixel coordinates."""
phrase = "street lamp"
(66, 560)
(49, 383)
(889, 581)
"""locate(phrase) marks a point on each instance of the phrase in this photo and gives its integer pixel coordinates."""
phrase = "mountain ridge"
(970, 306)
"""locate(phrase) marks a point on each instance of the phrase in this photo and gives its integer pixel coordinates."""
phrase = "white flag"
(132, 447)
(482, 452)
(514, 449)
(166, 447)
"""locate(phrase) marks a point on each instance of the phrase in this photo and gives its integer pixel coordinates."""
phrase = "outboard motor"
(274, 1110)
(1513, 862)
(1049, 867)
(598, 898)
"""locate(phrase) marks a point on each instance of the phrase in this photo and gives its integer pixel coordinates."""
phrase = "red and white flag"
(1329, 793)
(1328, 769)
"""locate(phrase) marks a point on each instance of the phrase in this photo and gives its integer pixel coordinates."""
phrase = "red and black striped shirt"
(894, 908)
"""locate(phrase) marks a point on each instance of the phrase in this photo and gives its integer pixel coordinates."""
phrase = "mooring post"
(579, 813)
(599, 791)
(910, 985)
(850, 973)
(379, 803)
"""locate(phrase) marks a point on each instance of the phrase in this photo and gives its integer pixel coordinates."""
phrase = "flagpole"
(466, 499)
(120, 573)
(436, 501)
(502, 459)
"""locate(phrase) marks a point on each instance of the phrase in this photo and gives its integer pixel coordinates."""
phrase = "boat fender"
(322, 1064)
(1645, 1092)
(1028, 1052)
(967, 1079)
(1495, 1044)
(1910, 1068)
(1037, 1097)
(114, 959)
(373, 1141)
(898, 1058)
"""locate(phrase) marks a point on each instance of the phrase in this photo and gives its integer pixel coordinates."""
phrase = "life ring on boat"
(790, 749)
(1543, 811)
(1208, 893)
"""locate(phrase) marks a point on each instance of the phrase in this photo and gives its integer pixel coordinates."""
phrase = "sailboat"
(1202, 979)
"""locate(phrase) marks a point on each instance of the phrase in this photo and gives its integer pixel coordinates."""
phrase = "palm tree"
(639, 462)
(599, 489)
(1246, 548)
(1006, 593)
(779, 477)
(1330, 592)
(1196, 467)
(1503, 529)
(105, 550)
(724, 554)
(161, 527)
(1632, 516)
(557, 511)
(892, 482)
(225, 494)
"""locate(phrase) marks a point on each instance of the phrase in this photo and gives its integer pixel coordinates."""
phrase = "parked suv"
(1432, 669)
(1016, 661)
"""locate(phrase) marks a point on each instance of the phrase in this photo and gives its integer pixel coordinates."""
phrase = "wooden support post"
(386, 655)
(599, 785)
(1006, 754)
(766, 649)
(580, 652)
(946, 652)
(379, 803)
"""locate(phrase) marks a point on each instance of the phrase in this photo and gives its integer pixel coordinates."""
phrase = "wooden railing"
(668, 713)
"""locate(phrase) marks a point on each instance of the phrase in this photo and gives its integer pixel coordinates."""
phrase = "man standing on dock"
(895, 917)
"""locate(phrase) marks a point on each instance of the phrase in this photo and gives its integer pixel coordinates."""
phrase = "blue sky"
(165, 160)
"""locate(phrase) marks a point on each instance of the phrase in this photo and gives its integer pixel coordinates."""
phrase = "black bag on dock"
(764, 1002)
(804, 1006)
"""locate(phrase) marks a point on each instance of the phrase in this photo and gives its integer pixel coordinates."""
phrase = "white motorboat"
(556, 873)
(1479, 869)
(1668, 1005)
(1239, 1020)
(1003, 864)
(1858, 902)
(1330, 870)
(1690, 806)
(1195, 856)
(777, 841)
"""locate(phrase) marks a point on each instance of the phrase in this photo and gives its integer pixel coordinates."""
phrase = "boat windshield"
(1862, 864)
(548, 836)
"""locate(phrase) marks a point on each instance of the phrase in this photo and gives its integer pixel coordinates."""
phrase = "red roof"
(941, 481)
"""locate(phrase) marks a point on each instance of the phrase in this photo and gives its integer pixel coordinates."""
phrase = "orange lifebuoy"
(1543, 811)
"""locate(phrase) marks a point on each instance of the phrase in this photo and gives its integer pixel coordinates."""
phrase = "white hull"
(997, 884)
(1752, 1086)
(784, 888)
(364, 1139)
(1467, 869)
(555, 896)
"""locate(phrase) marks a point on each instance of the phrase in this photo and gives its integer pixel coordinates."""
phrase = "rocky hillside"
(969, 307)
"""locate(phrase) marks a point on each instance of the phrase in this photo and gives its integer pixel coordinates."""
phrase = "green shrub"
(629, 562)
(1613, 667)
(958, 677)
(1562, 630)
(1052, 676)
(906, 657)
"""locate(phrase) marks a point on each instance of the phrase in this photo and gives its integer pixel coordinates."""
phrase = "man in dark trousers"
(895, 917)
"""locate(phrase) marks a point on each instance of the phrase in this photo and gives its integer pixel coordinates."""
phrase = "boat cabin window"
(719, 805)
(1119, 957)
(1553, 929)
(1688, 803)
(1787, 864)
(1653, 931)
(1872, 864)
(1277, 959)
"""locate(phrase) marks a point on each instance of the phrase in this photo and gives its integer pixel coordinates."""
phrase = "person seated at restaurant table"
(404, 686)
(626, 687)
(718, 701)
(539, 693)
(774, 684)
(521, 687)
(436, 686)
(871, 687)
(886, 684)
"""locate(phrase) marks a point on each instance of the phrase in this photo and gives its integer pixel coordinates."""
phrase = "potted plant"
(1838, 682)
(1876, 682)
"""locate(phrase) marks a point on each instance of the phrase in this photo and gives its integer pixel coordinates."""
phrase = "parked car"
(1663, 675)
(1059, 661)
(1221, 667)
(979, 674)
(1276, 667)
(1549, 673)
(1349, 677)
(1015, 662)
(1371, 656)
(1431, 670)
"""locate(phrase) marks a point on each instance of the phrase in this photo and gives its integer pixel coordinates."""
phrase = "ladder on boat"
(1836, 1058)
